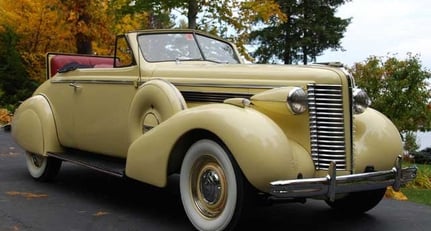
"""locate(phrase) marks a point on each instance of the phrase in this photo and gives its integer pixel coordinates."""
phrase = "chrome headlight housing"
(361, 101)
(297, 100)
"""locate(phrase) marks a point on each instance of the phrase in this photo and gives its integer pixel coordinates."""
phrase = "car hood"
(247, 73)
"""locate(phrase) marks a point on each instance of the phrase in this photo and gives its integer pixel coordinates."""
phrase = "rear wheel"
(358, 202)
(212, 187)
(42, 168)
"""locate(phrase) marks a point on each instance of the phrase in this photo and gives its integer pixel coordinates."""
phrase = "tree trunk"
(192, 13)
(305, 55)
(287, 59)
(83, 39)
(83, 44)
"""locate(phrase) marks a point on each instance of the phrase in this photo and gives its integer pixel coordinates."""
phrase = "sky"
(386, 27)
(382, 27)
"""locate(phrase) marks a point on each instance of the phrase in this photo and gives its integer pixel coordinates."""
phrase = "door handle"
(74, 85)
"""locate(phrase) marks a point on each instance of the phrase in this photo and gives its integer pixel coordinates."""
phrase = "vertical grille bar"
(327, 126)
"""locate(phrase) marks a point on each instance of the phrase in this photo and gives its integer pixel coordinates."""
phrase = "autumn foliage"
(82, 26)
(62, 26)
(5, 116)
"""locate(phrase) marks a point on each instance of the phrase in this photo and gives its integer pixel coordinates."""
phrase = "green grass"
(424, 167)
(421, 196)
(419, 190)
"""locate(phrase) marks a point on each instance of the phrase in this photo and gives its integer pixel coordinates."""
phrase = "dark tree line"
(15, 84)
(310, 29)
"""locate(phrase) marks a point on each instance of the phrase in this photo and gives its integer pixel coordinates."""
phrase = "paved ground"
(81, 199)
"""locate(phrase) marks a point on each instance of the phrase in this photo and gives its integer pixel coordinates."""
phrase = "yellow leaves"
(27, 195)
(37, 24)
(130, 22)
(262, 10)
(422, 180)
(100, 213)
(390, 193)
(73, 16)
(35, 60)
(5, 116)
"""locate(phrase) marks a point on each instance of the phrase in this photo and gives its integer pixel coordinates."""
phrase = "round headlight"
(361, 101)
(297, 100)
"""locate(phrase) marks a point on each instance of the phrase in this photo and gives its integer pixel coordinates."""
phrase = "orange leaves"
(37, 24)
(100, 213)
(27, 195)
(5, 116)
(262, 10)
(390, 193)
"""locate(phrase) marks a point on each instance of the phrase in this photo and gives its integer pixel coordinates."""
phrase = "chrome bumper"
(332, 184)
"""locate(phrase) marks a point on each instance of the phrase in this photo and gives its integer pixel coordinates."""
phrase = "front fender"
(377, 142)
(259, 146)
(33, 126)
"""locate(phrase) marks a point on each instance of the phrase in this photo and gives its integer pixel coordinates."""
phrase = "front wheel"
(42, 168)
(358, 202)
(211, 186)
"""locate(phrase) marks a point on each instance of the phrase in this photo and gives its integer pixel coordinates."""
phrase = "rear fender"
(259, 146)
(33, 126)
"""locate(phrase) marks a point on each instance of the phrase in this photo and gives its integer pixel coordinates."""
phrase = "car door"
(100, 109)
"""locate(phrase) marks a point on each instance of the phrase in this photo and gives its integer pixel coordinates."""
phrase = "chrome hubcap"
(209, 187)
(37, 160)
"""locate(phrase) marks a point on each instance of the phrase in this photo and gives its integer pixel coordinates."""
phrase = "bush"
(15, 84)
(423, 157)
(422, 181)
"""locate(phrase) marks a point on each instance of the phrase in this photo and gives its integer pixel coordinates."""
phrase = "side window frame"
(123, 49)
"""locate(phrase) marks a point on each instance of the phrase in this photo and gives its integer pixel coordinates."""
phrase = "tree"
(40, 27)
(230, 19)
(311, 28)
(153, 14)
(398, 89)
(65, 26)
(15, 84)
(235, 19)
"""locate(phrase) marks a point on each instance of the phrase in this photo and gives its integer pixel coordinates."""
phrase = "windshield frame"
(194, 40)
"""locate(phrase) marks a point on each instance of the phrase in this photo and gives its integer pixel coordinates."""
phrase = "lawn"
(422, 196)
(420, 190)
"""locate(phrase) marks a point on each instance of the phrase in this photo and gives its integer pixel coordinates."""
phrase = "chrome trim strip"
(331, 185)
(215, 97)
(251, 86)
(214, 85)
(122, 82)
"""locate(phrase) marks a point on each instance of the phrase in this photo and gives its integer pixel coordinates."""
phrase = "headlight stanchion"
(361, 101)
(297, 100)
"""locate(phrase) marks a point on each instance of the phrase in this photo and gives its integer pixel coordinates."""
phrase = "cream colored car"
(183, 102)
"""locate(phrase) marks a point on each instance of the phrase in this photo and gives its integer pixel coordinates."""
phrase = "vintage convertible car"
(183, 102)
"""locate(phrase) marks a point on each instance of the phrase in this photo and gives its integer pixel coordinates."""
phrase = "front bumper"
(332, 184)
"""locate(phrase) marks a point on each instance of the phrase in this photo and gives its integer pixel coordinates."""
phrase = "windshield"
(185, 47)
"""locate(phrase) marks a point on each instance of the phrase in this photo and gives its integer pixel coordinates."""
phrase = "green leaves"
(397, 88)
(15, 84)
(311, 28)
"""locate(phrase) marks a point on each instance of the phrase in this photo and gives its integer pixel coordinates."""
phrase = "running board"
(106, 164)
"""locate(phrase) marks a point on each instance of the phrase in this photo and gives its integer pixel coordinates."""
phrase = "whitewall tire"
(42, 168)
(211, 186)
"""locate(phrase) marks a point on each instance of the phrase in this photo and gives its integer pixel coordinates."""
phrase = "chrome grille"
(327, 126)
